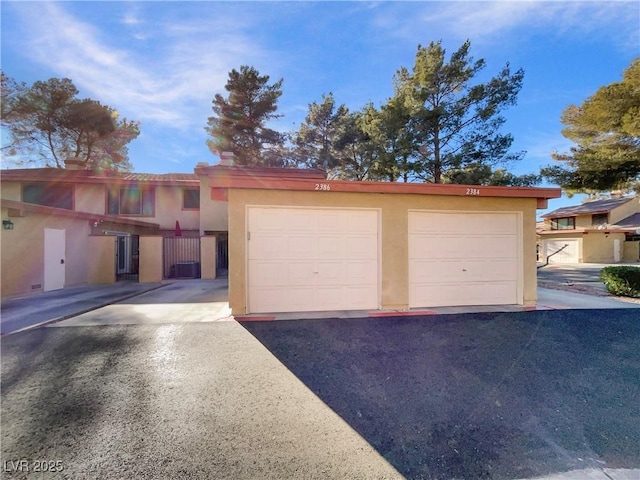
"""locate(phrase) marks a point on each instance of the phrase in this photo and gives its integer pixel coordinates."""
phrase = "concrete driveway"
(582, 277)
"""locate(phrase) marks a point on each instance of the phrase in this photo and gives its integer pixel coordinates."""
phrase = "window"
(599, 219)
(191, 198)
(60, 196)
(130, 201)
(567, 223)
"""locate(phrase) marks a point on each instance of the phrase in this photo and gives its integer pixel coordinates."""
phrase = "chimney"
(74, 164)
(226, 159)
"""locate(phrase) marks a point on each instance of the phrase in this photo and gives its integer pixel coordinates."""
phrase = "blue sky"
(162, 62)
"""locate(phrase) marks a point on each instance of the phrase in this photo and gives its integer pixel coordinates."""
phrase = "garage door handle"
(315, 272)
(464, 269)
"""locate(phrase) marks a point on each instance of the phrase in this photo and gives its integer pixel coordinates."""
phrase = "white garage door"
(567, 251)
(463, 259)
(304, 259)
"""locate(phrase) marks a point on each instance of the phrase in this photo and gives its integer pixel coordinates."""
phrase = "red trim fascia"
(62, 212)
(219, 194)
(328, 186)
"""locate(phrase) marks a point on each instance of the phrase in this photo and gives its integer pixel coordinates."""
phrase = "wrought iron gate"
(127, 256)
(181, 257)
(222, 256)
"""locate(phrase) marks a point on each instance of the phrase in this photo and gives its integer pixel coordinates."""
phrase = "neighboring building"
(304, 243)
(53, 218)
(600, 231)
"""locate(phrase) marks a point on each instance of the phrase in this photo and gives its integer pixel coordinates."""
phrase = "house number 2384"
(473, 191)
(323, 186)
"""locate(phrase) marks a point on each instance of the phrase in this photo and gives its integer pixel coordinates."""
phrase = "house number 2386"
(323, 186)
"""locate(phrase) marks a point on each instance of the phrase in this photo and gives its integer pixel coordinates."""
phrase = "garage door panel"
(268, 221)
(319, 260)
(268, 273)
(265, 246)
(362, 222)
(299, 246)
(360, 296)
(331, 247)
(332, 222)
(463, 259)
(300, 221)
(361, 247)
(454, 294)
(568, 254)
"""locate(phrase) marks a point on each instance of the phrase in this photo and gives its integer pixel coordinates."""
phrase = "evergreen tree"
(606, 133)
(454, 123)
(239, 123)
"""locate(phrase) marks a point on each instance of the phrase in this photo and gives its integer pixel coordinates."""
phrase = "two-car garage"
(308, 244)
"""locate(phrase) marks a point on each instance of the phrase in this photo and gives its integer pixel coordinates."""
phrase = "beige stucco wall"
(625, 210)
(11, 191)
(597, 247)
(169, 209)
(213, 214)
(394, 232)
(584, 221)
(150, 269)
(23, 252)
(631, 252)
(101, 268)
(208, 258)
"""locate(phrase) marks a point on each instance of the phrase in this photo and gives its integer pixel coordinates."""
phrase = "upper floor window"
(566, 223)
(130, 201)
(60, 196)
(191, 198)
(599, 219)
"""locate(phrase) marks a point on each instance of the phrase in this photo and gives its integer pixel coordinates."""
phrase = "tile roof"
(630, 222)
(596, 206)
(88, 176)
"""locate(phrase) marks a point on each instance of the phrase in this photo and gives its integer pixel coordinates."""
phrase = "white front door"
(312, 259)
(54, 259)
(617, 250)
(464, 259)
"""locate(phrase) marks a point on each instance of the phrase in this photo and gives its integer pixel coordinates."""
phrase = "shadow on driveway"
(492, 395)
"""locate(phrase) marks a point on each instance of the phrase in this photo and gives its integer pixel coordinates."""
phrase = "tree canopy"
(453, 122)
(606, 133)
(239, 123)
(49, 125)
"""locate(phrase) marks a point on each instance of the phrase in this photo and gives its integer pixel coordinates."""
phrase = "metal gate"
(127, 256)
(222, 256)
(181, 257)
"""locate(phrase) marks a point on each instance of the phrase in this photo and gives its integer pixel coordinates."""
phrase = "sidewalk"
(20, 313)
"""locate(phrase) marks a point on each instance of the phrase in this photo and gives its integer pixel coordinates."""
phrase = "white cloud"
(482, 21)
(173, 87)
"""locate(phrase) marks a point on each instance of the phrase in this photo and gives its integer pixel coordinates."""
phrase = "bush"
(621, 281)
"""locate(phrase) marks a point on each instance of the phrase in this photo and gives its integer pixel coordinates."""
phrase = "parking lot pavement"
(174, 401)
(551, 394)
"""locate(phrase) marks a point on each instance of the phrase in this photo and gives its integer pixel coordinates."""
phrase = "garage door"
(463, 259)
(304, 259)
(567, 251)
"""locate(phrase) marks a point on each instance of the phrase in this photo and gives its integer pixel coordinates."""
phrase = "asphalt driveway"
(492, 395)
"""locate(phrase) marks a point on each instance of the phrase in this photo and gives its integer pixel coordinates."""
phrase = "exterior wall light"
(7, 224)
